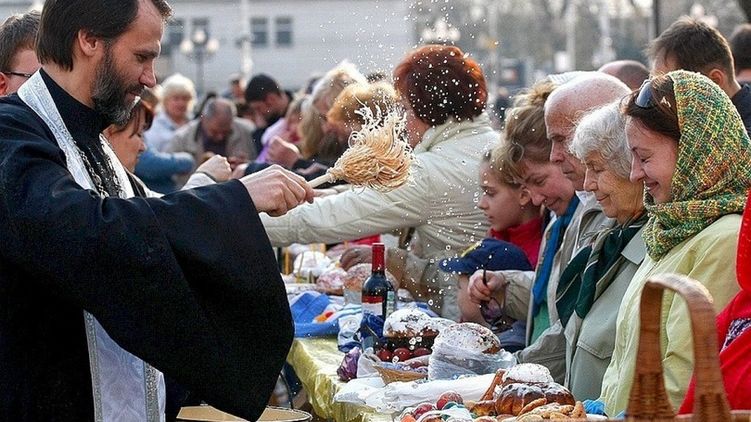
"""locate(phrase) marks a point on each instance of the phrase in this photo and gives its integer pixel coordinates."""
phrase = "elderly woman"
(178, 98)
(444, 94)
(156, 167)
(693, 156)
(593, 284)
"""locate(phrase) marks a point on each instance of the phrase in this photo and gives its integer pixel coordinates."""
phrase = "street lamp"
(199, 47)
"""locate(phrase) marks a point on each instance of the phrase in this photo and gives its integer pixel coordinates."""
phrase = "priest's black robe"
(188, 283)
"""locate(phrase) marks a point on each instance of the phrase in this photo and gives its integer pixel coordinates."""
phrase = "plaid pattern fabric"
(713, 171)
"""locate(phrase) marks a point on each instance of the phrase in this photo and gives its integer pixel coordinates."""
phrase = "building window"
(284, 31)
(259, 31)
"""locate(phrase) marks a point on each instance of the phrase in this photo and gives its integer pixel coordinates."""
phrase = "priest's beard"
(110, 93)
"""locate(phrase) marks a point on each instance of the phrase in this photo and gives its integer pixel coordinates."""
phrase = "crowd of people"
(597, 181)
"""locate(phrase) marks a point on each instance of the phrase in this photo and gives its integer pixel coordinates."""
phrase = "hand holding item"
(237, 160)
(356, 255)
(282, 152)
(239, 171)
(483, 285)
(216, 167)
(275, 190)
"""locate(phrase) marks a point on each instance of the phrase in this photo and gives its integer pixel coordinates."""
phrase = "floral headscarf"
(713, 171)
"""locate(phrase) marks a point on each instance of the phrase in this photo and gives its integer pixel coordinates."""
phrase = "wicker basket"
(648, 401)
(393, 375)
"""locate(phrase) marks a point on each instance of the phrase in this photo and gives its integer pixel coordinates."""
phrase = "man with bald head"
(566, 105)
(630, 72)
(569, 101)
(563, 108)
(218, 131)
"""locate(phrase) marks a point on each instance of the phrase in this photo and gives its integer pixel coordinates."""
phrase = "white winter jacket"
(440, 200)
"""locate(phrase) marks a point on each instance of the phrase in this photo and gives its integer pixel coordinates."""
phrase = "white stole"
(125, 388)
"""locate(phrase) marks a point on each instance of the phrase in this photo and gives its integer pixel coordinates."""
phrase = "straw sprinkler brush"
(378, 156)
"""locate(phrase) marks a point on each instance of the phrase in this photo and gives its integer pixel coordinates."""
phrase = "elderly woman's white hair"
(603, 130)
(178, 84)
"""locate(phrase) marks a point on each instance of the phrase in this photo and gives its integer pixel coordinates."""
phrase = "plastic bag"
(347, 370)
(450, 362)
(366, 364)
(348, 326)
(396, 396)
(371, 331)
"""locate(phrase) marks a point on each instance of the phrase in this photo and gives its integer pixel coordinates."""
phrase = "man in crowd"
(18, 61)
(740, 46)
(693, 45)
(269, 103)
(101, 290)
(218, 131)
(562, 109)
(630, 72)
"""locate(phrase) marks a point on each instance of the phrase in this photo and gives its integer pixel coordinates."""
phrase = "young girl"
(513, 244)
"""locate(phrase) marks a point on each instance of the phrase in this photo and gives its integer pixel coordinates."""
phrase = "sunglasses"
(494, 313)
(21, 74)
(645, 100)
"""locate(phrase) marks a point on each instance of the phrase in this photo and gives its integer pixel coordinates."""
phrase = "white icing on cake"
(407, 321)
(467, 336)
(528, 373)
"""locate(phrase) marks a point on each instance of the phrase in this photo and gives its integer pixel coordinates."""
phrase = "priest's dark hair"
(62, 19)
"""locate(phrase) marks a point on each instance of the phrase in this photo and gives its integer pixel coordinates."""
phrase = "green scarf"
(713, 171)
(592, 270)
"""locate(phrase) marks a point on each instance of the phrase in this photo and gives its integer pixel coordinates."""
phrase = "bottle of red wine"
(378, 297)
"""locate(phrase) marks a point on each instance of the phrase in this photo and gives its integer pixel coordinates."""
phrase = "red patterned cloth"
(733, 333)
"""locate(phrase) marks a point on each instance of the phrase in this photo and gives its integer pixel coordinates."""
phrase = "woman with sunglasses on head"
(692, 153)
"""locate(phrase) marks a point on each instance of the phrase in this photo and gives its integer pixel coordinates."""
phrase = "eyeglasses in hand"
(494, 312)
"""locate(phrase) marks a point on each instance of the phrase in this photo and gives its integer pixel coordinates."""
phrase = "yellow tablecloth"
(315, 361)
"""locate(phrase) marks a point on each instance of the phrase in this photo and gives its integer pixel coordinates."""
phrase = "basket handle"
(648, 398)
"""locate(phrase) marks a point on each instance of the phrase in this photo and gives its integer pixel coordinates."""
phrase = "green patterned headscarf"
(713, 171)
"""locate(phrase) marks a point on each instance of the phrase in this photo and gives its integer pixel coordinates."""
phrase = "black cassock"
(188, 282)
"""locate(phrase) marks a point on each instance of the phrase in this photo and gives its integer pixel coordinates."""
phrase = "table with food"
(371, 354)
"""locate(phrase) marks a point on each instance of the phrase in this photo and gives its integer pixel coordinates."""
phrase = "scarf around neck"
(713, 169)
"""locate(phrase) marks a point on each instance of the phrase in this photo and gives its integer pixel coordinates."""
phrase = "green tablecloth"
(315, 361)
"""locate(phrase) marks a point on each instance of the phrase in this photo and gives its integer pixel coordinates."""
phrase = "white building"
(291, 39)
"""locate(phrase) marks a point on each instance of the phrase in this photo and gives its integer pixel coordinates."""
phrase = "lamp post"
(199, 47)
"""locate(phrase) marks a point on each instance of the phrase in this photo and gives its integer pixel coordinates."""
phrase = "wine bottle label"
(372, 305)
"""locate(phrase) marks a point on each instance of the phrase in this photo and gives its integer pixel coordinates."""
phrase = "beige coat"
(439, 202)
(550, 348)
(590, 342)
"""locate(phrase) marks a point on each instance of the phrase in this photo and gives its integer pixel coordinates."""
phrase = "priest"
(102, 291)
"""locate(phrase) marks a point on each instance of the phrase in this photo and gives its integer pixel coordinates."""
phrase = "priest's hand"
(483, 286)
(275, 190)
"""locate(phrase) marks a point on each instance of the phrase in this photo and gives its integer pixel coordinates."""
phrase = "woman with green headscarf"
(693, 155)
